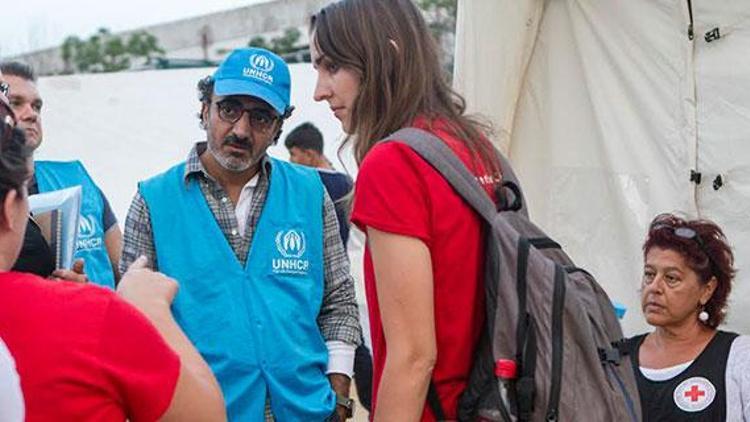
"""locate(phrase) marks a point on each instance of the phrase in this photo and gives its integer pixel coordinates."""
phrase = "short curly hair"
(19, 69)
(711, 256)
(305, 136)
(205, 90)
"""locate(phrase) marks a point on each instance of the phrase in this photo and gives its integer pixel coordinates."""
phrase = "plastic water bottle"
(506, 371)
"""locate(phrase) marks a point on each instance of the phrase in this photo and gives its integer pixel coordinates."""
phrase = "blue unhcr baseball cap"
(256, 72)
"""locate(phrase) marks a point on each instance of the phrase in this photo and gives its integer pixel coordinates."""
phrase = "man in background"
(305, 145)
(99, 236)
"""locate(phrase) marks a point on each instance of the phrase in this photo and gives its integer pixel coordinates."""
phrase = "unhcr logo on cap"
(261, 62)
(260, 67)
(291, 247)
(256, 72)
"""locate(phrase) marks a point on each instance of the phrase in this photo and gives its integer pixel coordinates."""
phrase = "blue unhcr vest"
(54, 175)
(255, 326)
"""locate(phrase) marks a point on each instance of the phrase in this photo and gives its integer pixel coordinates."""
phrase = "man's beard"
(229, 162)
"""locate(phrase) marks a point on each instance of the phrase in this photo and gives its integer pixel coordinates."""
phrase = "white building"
(206, 37)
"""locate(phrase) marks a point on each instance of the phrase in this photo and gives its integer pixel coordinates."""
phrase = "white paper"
(68, 202)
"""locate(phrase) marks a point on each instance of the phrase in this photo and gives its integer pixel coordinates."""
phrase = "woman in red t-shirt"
(378, 68)
(82, 352)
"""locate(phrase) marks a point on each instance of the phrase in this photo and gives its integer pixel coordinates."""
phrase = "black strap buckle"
(615, 354)
(695, 177)
(503, 200)
(525, 392)
(718, 182)
(712, 35)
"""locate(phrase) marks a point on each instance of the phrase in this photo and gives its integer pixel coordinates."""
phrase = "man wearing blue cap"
(265, 290)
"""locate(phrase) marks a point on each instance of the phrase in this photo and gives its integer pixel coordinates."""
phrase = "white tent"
(604, 108)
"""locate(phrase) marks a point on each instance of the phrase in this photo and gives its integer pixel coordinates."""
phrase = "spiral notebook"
(57, 213)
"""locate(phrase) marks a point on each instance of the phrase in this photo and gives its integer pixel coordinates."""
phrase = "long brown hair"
(387, 43)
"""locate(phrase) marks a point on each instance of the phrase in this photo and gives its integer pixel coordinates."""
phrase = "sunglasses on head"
(685, 233)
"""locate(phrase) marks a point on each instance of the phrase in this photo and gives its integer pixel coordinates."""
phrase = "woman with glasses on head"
(688, 369)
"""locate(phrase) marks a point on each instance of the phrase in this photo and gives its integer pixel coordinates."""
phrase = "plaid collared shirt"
(338, 317)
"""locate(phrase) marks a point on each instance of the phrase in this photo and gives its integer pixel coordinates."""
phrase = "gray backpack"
(548, 321)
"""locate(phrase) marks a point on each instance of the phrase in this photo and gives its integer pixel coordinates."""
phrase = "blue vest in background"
(55, 175)
(255, 326)
(338, 186)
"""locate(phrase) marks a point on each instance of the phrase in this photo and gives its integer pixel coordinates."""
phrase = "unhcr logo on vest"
(291, 246)
(87, 233)
(260, 68)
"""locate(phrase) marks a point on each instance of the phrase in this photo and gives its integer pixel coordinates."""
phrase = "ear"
(708, 290)
(204, 115)
(279, 129)
(9, 210)
(311, 155)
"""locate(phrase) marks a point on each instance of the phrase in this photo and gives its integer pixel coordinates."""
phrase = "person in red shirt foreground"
(82, 352)
(378, 68)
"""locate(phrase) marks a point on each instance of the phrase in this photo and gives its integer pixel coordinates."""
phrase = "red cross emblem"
(694, 393)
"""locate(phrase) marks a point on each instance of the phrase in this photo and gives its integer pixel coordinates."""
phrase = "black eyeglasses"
(261, 119)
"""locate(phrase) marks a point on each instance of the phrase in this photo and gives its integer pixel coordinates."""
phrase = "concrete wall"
(226, 30)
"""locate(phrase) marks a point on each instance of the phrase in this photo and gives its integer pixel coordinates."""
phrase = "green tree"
(115, 55)
(69, 51)
(284, 44)
(440, 15)
(105, 52)
(441, 18)
(259, 42)
(145, 45)
(88, 57)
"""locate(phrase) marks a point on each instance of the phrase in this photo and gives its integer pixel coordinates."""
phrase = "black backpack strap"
(433, 400)
(526, 345)
(433, 150)
(558, 303)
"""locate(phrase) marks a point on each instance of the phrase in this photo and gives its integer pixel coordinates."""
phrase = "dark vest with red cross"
(697, 394)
